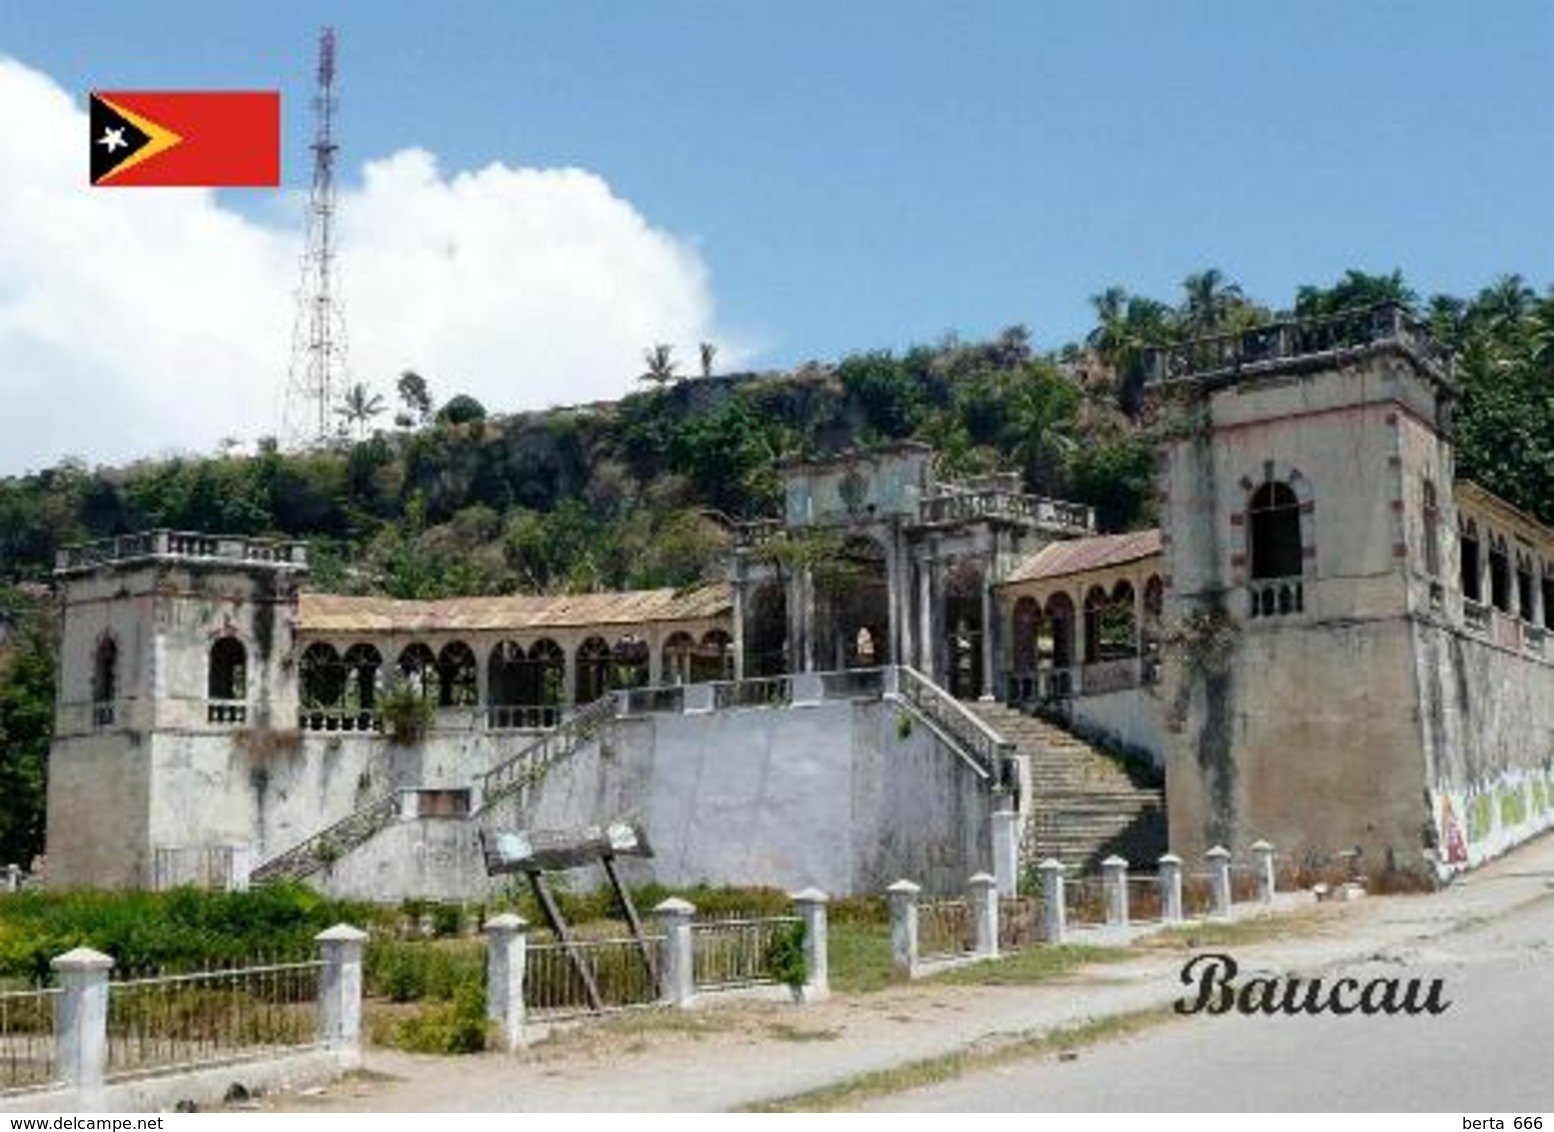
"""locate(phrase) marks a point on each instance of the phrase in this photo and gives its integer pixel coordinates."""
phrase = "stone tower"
(1306, 490)
(175, 655)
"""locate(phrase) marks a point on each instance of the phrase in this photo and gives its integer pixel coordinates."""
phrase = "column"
(893, 595)
(1218, 859)
(568, 674)
(1170, 880)
(340, 992)
(903, 927)
(984, 913)
(989, 607)
(1114, 874)
(1006, 851)
(81, 1021)
(506, 956)
(905, 598)
(1262, 852)
(655, 659)
(740, 586)
(924, 658)
(675, 964)
(1053, 913)
(817, 973)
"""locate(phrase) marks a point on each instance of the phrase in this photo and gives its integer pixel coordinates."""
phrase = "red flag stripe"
(230, 137)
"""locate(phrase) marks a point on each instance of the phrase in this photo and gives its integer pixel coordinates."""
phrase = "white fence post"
(81, 1021)
(340, 992)
(1170, 881)
(13, 878)
(1114, 871)
(984, 911)
(1265, 881)
(817, 974)
(1054, 915)
(507, 954)
(1006, 852)
(677, 962)
(903, 927)
(1219, 879)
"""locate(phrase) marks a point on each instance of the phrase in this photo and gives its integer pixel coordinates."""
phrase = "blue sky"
(875, 174)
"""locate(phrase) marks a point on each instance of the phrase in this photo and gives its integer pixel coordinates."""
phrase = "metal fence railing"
(27, 1039)
(1084, 900)
(1144, 903)
(736, 952)
(555, 987)
(944, 927)
(1197, 894)
(1019, 922)
(175, 1021)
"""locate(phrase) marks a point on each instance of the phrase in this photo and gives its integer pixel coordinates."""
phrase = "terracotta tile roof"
(1077, 556)
(331, 613)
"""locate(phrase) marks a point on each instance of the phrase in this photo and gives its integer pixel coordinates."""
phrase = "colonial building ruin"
(1328, 643)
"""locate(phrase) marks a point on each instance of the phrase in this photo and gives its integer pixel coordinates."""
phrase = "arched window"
(1060, 617)
(457, 682)
(418, 670)
(362, 663)
(1472, 581)
(548, 663)
(1548, 595)
(629, 667)
(1499, 574)
(228, 671)
(1119, 625)
(322, 676)
(1027, 615)
(1274, 531)
(505, 672)
(593, 669)
(1524, 598)
(678, 651)
(714, 658)
(105, 672)
(1095, 610)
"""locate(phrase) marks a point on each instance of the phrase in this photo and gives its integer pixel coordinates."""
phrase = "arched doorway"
(964, 628)
(766, 630)
(853, 595)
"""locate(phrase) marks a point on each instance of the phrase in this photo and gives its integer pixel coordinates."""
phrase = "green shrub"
(458, 1026)
(785, 956)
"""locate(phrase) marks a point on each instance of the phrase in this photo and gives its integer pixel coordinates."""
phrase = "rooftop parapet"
(1299, 345)
(181, 546)
(984, 499)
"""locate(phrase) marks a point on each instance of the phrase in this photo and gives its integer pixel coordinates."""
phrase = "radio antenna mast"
(318, 358)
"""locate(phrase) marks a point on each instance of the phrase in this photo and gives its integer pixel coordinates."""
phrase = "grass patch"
(859, 956)
(1227, 933)
(948, 1067)
(1030, 965)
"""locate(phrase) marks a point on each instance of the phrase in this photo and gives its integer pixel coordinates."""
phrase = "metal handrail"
(531, 763)
(985, 747)
(307, 857)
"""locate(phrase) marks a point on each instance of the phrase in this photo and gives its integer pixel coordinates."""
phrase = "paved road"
(1491, 1051)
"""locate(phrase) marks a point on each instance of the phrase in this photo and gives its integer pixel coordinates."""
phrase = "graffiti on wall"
(1476, 824)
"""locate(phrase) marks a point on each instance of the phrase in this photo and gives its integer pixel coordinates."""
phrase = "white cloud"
(137, 321)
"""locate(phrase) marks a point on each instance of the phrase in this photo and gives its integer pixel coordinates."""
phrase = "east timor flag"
(207, 138)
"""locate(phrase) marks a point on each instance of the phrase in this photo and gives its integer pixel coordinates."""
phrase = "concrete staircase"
(1084, 807)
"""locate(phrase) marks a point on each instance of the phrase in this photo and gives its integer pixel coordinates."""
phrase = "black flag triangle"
(121, 138)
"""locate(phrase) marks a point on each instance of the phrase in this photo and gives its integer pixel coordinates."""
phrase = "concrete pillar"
(1170, 881)
(655, 659)
(903, 927)
(1218, 859)
(817, 965)
(741, 585)
(984, 913)
(989, 615)
(1263, 853)
(905, 600)
(507, 949)
(340, 992)
(81, 1021)
(1006, 851)
(568, 675)
(925, 615)
(1054, 916)
(892, 600)
(1114, 871)
(675, 964)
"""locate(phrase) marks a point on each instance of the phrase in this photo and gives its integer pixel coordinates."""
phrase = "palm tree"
(708, 353)
(1210, 301)
(359, 406)
(660, 364)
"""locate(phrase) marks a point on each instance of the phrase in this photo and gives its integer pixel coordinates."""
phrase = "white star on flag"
(112, 139)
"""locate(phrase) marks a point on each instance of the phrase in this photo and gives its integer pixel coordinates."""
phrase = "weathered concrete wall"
(99, 795)
(1133, 718)
(837, 795)
(1489, 745)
